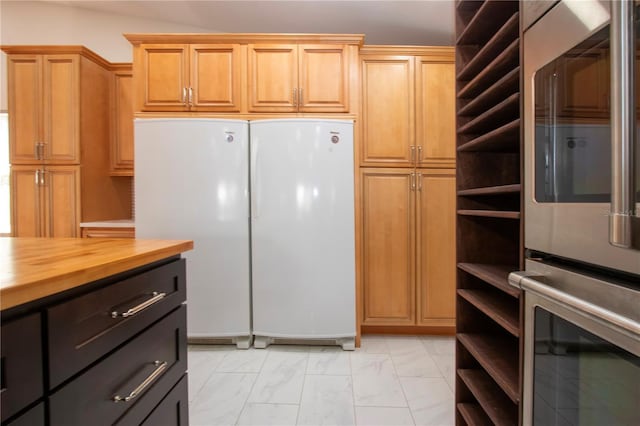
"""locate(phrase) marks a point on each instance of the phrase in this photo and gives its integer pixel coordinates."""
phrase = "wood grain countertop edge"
(26, 292)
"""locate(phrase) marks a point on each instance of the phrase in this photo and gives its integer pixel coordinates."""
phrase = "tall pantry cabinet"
(407, 196)
(59, 142)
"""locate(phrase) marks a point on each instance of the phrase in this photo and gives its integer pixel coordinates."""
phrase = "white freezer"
(302, 229)
(192, 183)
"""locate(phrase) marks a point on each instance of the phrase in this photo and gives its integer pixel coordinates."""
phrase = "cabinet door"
(61, 116)
(26, 202)
(215, 77)
(62, 204)
(25, 107)
(436, 253)
(122, 122)
(435, 113)
(164, 77)
(388, 111)
(324, 78)
(388, 220)
(273, 78)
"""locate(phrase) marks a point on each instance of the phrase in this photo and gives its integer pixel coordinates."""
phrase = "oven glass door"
(580, 378)
(573, 125)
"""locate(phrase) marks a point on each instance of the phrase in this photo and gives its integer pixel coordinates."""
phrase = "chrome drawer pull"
(143, 385)
(156, 298)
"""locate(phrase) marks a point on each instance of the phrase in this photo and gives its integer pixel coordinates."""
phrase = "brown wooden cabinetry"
(59, 124)
(188, 77)
(489, 231)
(408, 107)
(122, 121)
(45, 201)
(298, 78)
(44, 97)
(408, 247)
(245, 73)
(408, 204)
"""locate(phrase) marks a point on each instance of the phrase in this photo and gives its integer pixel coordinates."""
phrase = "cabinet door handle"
(144, 305)
(300, 97)
(295, 97)
(184, 95)
(419, 181)
(160, 367)
(37, 176)
(413, 181)
(413, 154)
(191, 96)
(419, 153)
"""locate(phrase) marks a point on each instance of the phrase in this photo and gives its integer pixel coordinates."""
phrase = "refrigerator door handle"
(253, 187)
(624, 225)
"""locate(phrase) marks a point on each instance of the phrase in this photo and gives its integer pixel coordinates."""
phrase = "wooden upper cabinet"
(436, 109)
(164, 77)
(44, 101)
(183, 77)
(388, 111)
(122, 124)
(298, 78)
(215, 77)
(273, 77)
(323, 82)
(25, 103)
(388, 224)
(246, 73)
(408, 107)
(436, 247)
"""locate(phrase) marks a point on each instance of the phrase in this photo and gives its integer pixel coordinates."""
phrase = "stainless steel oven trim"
(543, 287)
(572, 230)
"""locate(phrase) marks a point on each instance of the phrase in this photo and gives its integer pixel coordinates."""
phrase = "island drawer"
(174, 408)
(126, 386)
(86, 327)
(20, 364)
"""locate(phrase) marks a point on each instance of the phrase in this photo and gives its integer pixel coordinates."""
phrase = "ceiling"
(426, 22)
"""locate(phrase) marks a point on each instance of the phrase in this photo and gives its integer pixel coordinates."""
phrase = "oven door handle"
(624, 225)
(535, 283)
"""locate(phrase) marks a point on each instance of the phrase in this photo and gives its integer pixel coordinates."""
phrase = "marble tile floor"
(390, 380)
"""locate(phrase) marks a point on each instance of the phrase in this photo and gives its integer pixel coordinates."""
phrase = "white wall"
(36, 22)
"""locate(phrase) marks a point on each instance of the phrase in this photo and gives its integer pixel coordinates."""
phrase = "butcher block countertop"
(31, 268)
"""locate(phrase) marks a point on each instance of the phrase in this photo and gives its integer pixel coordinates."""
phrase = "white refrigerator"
(192, 182)
(275, 259)
(302, 230)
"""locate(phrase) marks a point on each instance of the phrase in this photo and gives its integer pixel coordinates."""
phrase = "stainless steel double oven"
(582, 205)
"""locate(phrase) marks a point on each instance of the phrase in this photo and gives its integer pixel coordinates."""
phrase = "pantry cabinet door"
(215, 77)
(273, 77)
(62, 204)
(435, 113)
(122, 124)
(324, 78)
(25, 107)
(164, 77)
(388, 110)
(26, 202)
(388, 255)
(436, 249)
(61, 117)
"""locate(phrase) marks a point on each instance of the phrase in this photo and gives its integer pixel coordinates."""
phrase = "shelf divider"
(491, 213)
(505, 110)
(491, 190)
(492, 48)
(493, 401)
(505, 86)
(500, 309)
(473, 414)
(496, 275)
(504, 138)
(499, 357)
(502, 64)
